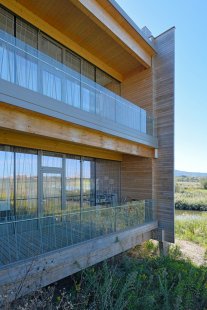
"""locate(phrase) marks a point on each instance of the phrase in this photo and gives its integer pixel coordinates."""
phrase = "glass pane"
(72, 184)
(6, 184)
(6, 62)
(51, 84)
(107, 182)
(26, 33)
(50, 159)
(88, 86)
(51, 81)
(72, 61)
(73, 92)
(88, 183)
(143, 121)
(87, 69)
(108, 81)
(51, 49)
(26, 71)
(88, 96)
(6, 21)
(26, 184)
(52, 194)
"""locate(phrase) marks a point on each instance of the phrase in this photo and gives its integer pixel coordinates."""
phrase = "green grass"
(192, 228)
(190, 195)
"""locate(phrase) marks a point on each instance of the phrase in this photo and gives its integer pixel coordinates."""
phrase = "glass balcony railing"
(27, 67)
(22, 239)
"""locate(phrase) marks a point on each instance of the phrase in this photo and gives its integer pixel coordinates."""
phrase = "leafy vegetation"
(190, 194)
(192, 228)
(129, 283)
(204, 183)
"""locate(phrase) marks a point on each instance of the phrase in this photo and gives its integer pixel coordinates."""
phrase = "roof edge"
(169, 29)
(131, 23)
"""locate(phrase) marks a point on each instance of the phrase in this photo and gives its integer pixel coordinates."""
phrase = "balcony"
(35, 81)
(23, 239)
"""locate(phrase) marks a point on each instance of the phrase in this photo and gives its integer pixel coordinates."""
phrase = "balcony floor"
(27, 243)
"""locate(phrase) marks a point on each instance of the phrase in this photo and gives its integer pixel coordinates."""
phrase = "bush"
(153, 283)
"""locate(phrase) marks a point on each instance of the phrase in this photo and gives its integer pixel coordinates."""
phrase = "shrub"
(153, 283)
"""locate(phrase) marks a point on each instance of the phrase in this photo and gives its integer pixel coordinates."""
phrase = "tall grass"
(191, 199)
(131, 284)
(190, 194)
(192, 228)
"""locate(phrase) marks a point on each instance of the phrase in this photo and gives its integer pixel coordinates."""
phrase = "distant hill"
(179, 173)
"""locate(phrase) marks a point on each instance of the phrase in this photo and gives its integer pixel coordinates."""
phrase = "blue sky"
(190, 19)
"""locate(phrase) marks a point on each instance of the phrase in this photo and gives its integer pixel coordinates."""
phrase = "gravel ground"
(193, 251)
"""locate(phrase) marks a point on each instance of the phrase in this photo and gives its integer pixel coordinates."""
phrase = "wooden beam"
(16, 138)
(22, 120)
(36, 21)
(107, 22)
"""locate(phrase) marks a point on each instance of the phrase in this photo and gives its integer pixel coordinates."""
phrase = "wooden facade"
(163, 76)
(145, 71)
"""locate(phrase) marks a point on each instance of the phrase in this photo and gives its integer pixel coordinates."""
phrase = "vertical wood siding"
(138, 88)
(153, 90)
(163, 80)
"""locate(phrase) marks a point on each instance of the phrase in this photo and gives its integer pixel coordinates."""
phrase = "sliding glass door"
(40, 184)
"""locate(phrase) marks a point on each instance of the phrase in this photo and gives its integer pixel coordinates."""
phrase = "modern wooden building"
(86, 138)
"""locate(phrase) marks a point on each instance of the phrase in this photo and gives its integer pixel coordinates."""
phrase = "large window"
(73, 183)
(26, 183)
(27, 72)
(41, 183)
(107, 182)
(88, 183)
(6, 183)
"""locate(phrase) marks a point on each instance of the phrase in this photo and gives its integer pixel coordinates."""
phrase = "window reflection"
(6, 183)
(72, 189)
(68, 184)
(6, 63)
(26, 184)
(52, 193)
(107, 182)
(88, 183)
(50, 159)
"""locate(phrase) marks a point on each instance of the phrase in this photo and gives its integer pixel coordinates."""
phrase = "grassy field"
(192, 227)
(190, 194)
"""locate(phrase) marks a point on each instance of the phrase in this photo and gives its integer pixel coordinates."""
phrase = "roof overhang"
(95, 29)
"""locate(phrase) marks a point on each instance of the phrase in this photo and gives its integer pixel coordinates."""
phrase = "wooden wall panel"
(136, 177)
(138, 88)
(163, 80)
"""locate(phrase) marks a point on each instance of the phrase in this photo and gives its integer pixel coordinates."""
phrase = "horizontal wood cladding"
(27, 122)
(136, 176)
(163, 174)
(138, 88)
(51, 267)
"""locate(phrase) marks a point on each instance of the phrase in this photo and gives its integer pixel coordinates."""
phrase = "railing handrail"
(91, 84)
(80, 212)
